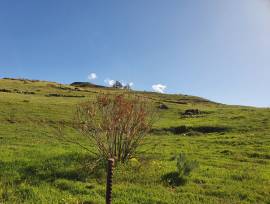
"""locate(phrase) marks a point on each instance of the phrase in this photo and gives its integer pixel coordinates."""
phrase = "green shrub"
(183, 169)
(185, 166)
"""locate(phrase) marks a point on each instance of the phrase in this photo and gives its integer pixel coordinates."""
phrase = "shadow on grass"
(76, 167)
(66, 172)
(192, 130)
(173, 179)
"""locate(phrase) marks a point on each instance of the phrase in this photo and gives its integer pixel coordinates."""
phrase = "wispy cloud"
(160, 88)
(109, 82)
(92, 76)
(127, 84)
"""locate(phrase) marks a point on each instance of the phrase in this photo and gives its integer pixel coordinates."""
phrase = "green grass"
(230, 143)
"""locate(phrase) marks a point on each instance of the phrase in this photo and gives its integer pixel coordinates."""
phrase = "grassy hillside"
(230, 143)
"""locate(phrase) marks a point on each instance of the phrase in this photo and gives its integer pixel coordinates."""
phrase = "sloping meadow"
(231, 145)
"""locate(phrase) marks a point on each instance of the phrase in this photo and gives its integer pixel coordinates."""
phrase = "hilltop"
(40, 87)
(86, 84)
(230, 143)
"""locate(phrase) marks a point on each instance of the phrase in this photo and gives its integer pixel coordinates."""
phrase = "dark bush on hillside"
(191, 112)
(86, 84)
(62, 95)
(5, 90)
(16, 91)
(163, 106)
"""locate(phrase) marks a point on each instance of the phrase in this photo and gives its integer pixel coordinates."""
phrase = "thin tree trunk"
(109, 181)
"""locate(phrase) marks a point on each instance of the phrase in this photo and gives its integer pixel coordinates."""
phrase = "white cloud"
(110, 82)
(160, 88)
(125, 84)
(92, 76)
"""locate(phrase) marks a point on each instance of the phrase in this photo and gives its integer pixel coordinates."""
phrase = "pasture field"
(230, 143)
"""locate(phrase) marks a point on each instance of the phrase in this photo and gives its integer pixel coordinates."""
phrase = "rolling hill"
(230, 143)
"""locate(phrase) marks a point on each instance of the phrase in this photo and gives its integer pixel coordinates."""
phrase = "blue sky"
(219, 50)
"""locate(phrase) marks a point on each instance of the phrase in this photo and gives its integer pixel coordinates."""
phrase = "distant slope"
(86, 89)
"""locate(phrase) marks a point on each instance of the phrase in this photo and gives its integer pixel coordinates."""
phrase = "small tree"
(184, 165)
(116, 125)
